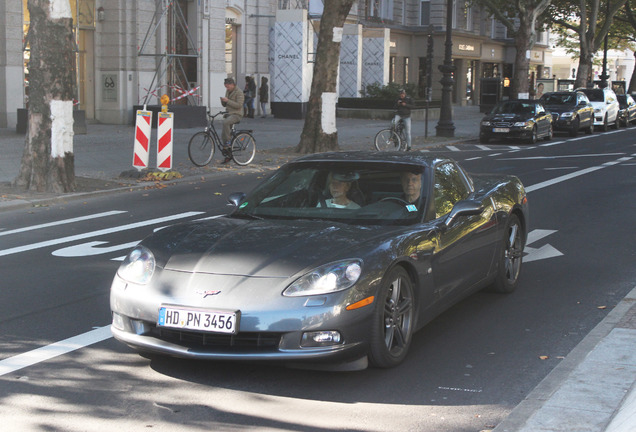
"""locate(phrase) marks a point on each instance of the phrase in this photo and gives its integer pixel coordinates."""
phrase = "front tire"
(393, 320)
(534, 136)
(201, 149)
(511, 257)
(574, 131)
(387, 140)
(243, 148)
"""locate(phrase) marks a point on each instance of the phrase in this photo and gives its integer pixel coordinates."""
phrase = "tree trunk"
(48, 161)
(319, 131)
(523, 43)
(632, 82)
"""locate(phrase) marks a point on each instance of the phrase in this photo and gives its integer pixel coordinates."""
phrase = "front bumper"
(512, 132)
(270, 346)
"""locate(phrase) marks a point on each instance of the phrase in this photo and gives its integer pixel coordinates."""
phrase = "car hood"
(507, 118)
(560, 108)
(263, 248)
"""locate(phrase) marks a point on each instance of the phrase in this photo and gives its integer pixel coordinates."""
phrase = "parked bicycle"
(393, 138)
(202, 145)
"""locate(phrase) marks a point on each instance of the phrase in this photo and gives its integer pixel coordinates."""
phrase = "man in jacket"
(233, 101)
(403, 108)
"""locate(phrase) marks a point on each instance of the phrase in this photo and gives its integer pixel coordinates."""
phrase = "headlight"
(522, 124)
(326, 279)
(485, 123)
(567, 114)
(138, 266)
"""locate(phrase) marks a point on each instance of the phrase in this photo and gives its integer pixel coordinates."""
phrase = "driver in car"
(411, 185)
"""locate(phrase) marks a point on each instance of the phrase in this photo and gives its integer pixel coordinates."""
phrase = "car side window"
(450, 187)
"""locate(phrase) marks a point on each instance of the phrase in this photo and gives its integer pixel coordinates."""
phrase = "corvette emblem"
(209, 293)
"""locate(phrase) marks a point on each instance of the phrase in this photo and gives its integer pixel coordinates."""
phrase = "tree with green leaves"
(626, 33)
(47, 160)
(521, 18)
(591, 20)
(319, 132)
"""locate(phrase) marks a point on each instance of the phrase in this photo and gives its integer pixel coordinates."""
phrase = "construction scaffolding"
(176, 70)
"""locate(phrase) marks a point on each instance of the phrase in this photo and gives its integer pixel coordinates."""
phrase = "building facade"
(130, 52)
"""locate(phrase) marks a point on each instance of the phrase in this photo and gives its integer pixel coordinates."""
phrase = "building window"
(454, 14)
(406, 70)
(468, 16)
(382, 9)
(392, 69)
(425, 12)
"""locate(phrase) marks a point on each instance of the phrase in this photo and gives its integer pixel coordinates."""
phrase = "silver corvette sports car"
(334, 261)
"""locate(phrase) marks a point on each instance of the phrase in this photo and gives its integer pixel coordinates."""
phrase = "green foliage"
(390, 91)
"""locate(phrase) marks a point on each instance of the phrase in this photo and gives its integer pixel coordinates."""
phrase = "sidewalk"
(591, 390)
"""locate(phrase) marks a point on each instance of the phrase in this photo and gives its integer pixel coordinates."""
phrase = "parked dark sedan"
(336, 259)
(627, 110)
(571, 111)
(525, 119)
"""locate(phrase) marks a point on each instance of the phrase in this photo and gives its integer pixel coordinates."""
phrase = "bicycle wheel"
(201, 149)
(243, 148)
(387, 140)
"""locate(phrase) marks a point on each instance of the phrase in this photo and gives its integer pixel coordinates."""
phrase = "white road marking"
(574, 174)
(452, 148)
(62, 222)
(90, 249)
(48, 352)
(94, 233)
(564, 156)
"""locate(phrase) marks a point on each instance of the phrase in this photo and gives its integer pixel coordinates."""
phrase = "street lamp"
(445, 126)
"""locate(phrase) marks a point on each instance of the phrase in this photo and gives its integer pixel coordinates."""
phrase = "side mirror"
(464, 208)
(235, 199)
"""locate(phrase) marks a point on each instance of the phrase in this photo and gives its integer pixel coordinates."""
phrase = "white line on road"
(94, 233)
(48, 352)
(574, 174)
(62, 222)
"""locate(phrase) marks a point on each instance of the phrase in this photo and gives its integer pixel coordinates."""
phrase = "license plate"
(501, 130)
(198, 319)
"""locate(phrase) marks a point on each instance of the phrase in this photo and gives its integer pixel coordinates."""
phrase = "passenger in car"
(339, 185)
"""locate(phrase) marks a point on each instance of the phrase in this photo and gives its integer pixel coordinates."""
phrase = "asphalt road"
(466, 370)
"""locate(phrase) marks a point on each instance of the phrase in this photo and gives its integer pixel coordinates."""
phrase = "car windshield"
(357, 193)
(594, 95)
(514, 107)
(559, 99)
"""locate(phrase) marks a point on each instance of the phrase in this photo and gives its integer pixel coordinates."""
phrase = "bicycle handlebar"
(212, 116)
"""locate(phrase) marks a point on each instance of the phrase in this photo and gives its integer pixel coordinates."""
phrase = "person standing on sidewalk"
(250, 92)
(403, 107)
(233, 101)
(263, 96)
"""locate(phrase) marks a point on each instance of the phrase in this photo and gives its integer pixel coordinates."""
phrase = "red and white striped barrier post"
(141, 149)
(164, 141)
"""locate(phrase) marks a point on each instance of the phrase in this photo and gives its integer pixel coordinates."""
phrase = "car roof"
(414, 158)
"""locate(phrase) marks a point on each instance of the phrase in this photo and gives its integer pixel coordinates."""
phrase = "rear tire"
(243, 148)
(387, 140)
(605, 126)
(510, 258)
(393, 320)
(201, 149)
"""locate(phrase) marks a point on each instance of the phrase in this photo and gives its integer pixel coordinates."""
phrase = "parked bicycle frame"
(202, 145)
(391, 139)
